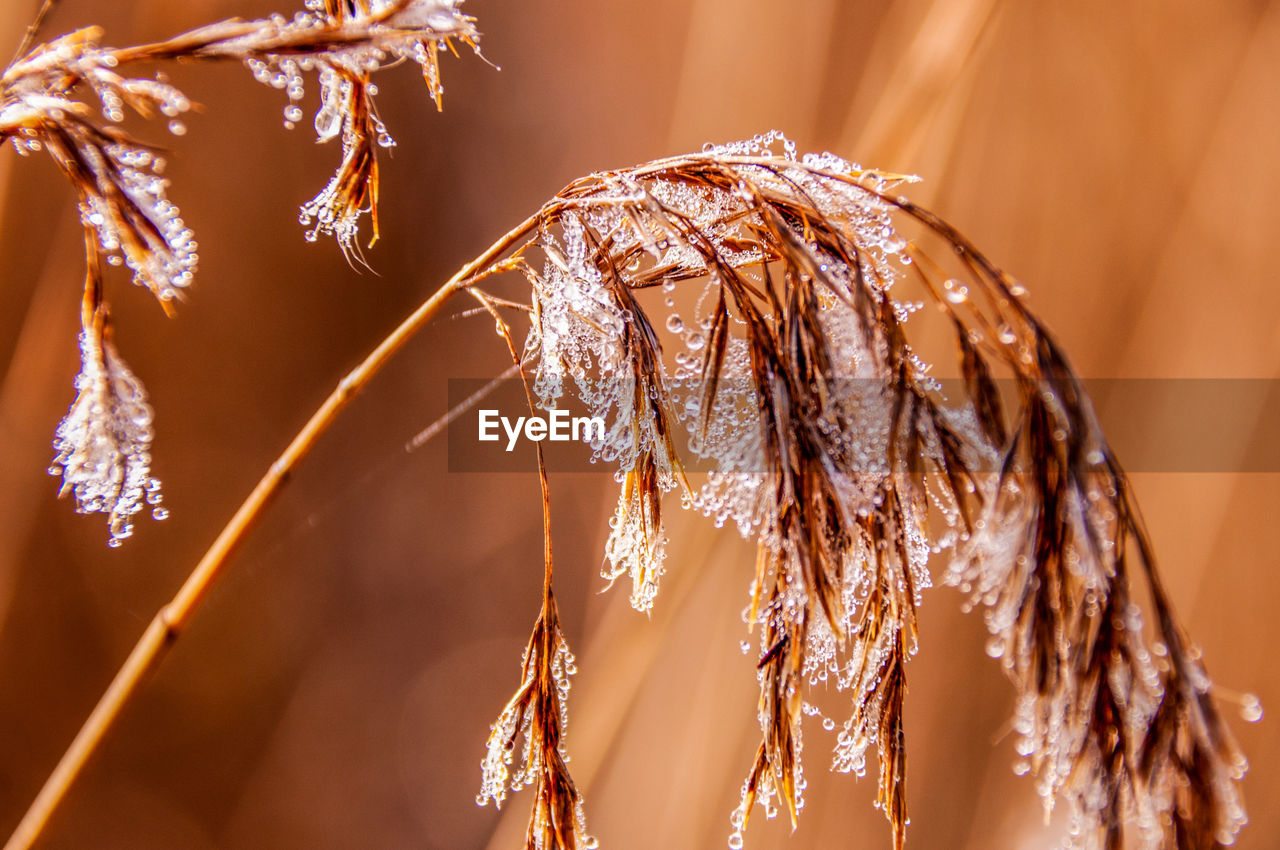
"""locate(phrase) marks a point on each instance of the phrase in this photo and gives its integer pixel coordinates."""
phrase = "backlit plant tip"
(104, 443)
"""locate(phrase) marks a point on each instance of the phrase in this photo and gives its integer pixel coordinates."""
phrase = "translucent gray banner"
(1153, 425)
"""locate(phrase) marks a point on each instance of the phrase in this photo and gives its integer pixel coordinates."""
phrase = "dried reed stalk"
(795, 380)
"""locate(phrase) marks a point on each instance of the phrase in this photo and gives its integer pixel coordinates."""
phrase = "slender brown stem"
(173, 617)
(29, 37)
(504, 330)
(91, 303)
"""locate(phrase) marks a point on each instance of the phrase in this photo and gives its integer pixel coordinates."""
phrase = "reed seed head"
(823, 437)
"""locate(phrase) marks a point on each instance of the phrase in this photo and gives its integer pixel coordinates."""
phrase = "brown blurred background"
(335, 692)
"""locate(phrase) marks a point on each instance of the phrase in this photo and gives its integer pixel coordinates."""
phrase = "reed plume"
(796, 386)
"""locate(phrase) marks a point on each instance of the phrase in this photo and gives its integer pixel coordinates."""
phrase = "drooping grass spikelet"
(529, 733)
(103, 444)
(538, 712)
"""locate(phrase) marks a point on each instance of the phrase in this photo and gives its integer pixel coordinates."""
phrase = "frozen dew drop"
(292, 113)
(828, 724)
(1006, 335)
(177, 128)
(675, 324)
(735, 841)
(995, 647)
(159, 513)
(1250, 708)
(328, 121)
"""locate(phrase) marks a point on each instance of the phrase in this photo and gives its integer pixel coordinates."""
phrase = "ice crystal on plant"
(577, 330)
(104, 444)
(637, 543)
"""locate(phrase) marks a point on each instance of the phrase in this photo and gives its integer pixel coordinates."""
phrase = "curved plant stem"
(170, 620)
